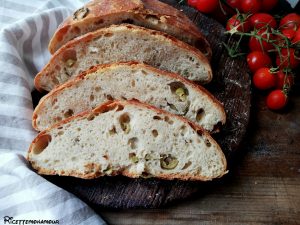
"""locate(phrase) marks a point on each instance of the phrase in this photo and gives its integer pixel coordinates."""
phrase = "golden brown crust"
(94, 175)
(139, 9)
(72, 82)
(110, 105)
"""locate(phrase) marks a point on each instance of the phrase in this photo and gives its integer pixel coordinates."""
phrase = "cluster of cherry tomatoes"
(274, 45)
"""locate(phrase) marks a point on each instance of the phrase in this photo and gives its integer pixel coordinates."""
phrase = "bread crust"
(133, 64)
(48, 70)
(110, 105)
(137, 9)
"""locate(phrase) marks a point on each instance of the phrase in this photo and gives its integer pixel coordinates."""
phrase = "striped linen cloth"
(25, 29)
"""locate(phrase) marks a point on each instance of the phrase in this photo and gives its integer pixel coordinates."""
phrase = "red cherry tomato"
(236, 21)
(290, 21)
(289, 33)
(257, 60)
(268, 5)
(288, 58)
(221, 14)
(296, 39)
(251, 6)
(263, 79)
(260, 20)
(236, 4)
(283, 79)
(192, 2)
(207, 6)
(255, 45)
(276, 100)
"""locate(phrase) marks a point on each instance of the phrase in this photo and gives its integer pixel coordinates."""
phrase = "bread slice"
(124, 43)
(128, 138)
(151, 14)
(130, 80)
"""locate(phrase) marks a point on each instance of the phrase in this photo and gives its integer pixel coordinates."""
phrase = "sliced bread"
(130, 80)
(127, 138)
(123, 43)
(151, 14)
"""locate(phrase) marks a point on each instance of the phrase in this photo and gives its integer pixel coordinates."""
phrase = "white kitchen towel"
(26, 27)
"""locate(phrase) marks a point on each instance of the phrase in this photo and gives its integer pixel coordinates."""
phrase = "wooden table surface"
(262, 188)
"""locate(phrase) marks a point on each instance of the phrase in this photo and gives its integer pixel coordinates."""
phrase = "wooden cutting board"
(231, 85)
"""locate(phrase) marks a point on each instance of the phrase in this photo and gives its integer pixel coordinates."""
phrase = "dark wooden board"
(231, 85)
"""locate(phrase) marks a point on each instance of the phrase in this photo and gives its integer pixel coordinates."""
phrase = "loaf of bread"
(151, 14)
(130, 80)
(124, 43)
(127, 138)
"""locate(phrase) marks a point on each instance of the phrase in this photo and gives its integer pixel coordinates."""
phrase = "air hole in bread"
(57, 119)
(68, 113)
(109, 97)
(148, 157)
(182, 130)
(133, 158)
(144, 72)
(200, 133)
(157, 118)
(57, 67)
(60, 133)
(41, 144)
(92, 98)
(124, 120)
(54, 80)
(132, 142)
(192, 59)
(78, 129)
(147, 50)
(146, 175)
(97, 89)
(133, 83)
(187, 165)
(207, 143)
(54, 101)
(113, 130)
(123, 98)
(152, 19)
(154, 133)
(168, 120)
(69, 54)
(200, 114)
(108, 34)
(73, 158)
